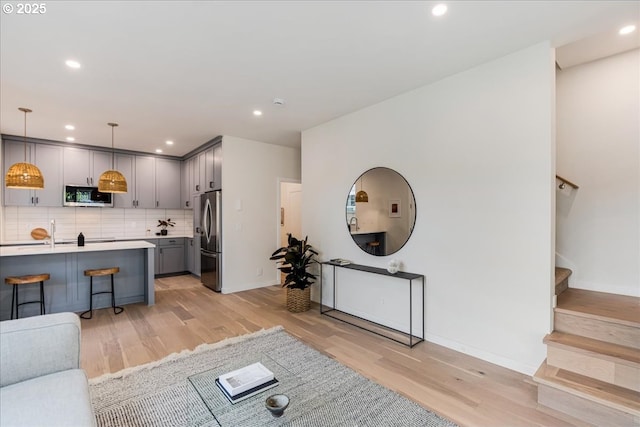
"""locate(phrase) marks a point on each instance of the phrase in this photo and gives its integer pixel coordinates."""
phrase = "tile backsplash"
(94, 223)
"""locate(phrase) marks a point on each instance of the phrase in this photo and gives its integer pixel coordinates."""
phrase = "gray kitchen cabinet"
(217, 167)
(202, 172)
(145, 182)
(189, 256)
(171, 255)
(125, 164)
(208, 171)
(185, 184)
(84, 167)
(152, 182)
(167, 182)
(48, 158)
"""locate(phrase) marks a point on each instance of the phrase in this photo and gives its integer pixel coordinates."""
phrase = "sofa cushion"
(60, 399)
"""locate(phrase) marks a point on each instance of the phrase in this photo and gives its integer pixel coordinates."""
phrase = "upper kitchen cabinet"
(168, 184)
(84, 167)
(205, 171)
(48, 158)
(152, 182)
(125, 164)
(186, 183)
(217, 167)
(145, 182)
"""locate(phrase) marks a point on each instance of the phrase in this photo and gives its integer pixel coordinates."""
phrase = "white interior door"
(290, 204)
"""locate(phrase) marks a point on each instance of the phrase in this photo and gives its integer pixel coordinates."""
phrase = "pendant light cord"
(25, 111)
(113, 153)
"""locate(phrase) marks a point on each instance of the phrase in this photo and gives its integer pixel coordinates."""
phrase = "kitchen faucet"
(351, 223)
(52, 233)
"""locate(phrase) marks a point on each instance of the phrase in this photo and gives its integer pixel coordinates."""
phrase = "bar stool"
(101, 272)
(373, 247)
(25, 280)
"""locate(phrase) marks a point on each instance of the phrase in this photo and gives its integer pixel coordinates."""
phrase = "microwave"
(82, 195)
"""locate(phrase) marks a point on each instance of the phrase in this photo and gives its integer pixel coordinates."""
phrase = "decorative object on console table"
(296, 258)
(164, 223)
(393, 266)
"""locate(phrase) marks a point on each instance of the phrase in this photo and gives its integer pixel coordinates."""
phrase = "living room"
(480, 148)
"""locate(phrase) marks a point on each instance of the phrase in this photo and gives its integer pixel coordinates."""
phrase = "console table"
(408, 339)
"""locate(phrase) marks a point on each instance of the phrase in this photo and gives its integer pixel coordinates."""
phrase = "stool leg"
(113, 300)
(43, 310)
(90, 311)
(14, 300)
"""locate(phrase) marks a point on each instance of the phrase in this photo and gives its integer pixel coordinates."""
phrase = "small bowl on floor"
(276, 404)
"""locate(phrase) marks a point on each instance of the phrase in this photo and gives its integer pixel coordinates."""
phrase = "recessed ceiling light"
(72, 63)
(70, 139)
(257, 112)
(627, 30)
(169, 142)
(69, 127)
(439, 9)
(158, 150)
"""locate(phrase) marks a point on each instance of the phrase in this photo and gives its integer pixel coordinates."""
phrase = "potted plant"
(164, 223)
(296, 258)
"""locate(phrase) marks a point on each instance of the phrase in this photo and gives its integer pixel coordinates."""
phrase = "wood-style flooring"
(467, 390)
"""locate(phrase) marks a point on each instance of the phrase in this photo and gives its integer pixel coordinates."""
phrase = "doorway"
(289, 219)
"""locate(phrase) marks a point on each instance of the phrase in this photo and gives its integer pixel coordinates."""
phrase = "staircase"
(592, 370)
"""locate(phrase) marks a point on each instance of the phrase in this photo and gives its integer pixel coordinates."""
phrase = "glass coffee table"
(205, 399)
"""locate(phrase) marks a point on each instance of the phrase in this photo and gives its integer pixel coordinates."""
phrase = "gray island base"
(68, 288)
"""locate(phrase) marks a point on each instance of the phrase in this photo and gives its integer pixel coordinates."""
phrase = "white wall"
(598, 225)
(478, 150)
(251, 210)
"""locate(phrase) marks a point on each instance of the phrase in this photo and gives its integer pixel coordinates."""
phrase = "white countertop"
(95, 239)
(367, 232)
(43, 249)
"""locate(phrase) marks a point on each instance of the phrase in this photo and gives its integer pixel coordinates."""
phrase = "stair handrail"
(566, 181)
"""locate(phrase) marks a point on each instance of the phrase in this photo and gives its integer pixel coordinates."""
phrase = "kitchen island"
(68, 288)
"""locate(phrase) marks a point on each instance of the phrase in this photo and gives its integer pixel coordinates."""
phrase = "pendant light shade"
(112, 181)
(25, 176)
(362, 196)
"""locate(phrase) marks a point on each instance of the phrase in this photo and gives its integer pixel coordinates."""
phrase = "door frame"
(281, 181)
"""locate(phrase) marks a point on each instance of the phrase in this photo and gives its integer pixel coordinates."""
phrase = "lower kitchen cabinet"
(171, 255)
(190, 258)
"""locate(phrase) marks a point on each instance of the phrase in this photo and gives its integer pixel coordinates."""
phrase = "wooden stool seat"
(373, 247)
(26, 280)
(102, 271)
(110, 271)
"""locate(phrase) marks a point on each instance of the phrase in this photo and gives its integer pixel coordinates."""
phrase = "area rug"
(331, 394)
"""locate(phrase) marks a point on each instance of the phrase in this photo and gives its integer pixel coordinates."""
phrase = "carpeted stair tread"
(562, 274)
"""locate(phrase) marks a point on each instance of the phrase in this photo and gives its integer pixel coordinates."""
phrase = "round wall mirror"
(381, 211)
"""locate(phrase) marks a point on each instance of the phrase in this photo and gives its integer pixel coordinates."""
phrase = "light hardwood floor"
(464, 389)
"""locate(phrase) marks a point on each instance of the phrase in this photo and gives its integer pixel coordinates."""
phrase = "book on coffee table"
(248, 393)
(245, 382)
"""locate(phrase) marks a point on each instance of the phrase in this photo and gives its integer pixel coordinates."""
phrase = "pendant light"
(112, 181)
(362, 196)
(24, 175)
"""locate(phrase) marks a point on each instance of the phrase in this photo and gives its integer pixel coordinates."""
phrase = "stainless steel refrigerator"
(211, 240)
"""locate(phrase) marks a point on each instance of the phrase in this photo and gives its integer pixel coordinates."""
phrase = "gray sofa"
(41, 383)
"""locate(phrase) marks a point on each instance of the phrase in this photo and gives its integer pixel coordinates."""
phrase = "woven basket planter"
(298, 300)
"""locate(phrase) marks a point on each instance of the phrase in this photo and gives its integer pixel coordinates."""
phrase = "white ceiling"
(191, 70)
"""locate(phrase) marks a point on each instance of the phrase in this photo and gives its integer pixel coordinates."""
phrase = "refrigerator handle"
(218, 221)
(206, 220)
